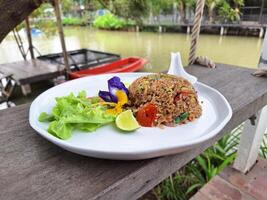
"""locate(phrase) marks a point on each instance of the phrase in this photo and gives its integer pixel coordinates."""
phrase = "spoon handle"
(176, 68)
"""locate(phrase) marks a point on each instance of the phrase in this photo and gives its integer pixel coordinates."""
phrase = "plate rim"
(136, 153)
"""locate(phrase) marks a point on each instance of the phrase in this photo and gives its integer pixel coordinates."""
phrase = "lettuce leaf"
(76, 112)
(44, 117)
(60, 129)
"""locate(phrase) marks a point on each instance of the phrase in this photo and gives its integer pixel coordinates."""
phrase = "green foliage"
(134, 9)
(226, 10)
(175, 186)
(229, 14)
(263, 148)
(188, 3)
(109, 21)
(238, 3)
(67, 5)
(74, 21)
(212, 5)
(48, 26)
(184, 183)
(44, 20)
(158, 6)
(183, 6)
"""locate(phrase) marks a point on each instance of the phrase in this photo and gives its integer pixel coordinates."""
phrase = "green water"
(235, 50)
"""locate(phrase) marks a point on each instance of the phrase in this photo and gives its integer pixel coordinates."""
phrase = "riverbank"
(256, 30)
(237, 29)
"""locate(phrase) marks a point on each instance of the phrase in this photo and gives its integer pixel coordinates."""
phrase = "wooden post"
(225, 31)
(188, 30)
(261, 11)
(29, 36)
(253, 133)
(26, 89)
(250, 142)
(222, 31)
(160, 29)
(264, 50)
(261, 33)
(61, 34)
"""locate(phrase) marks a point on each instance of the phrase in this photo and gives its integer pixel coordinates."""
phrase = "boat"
(81, 59)
(130, 64)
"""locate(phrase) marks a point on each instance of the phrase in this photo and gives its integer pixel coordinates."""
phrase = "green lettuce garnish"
(76, 112)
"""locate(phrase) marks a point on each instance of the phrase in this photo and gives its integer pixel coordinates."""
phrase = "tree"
(182, 6)
(67, 6)
(229, 11)
(134, 9)
(212, 5)
(157, 6)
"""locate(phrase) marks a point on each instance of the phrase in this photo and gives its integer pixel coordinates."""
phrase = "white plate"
(108, 142)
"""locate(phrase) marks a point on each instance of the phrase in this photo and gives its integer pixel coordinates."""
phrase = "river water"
(156, 47)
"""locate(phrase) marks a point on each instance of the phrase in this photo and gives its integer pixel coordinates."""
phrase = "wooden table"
(30, 71)
(33, 168)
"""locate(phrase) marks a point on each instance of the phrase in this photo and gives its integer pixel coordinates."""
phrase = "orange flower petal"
(122, 97)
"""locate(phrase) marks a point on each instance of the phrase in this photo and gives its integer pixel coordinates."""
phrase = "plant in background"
(212, 5)
(182, 6)
(67, 6)
(228, 13)
(43, 19)
(263, 148)
(158, 6)
(184, 183)
(74, 21)
(134, 9)
(176, 186)
(238, 3)
(109, 21)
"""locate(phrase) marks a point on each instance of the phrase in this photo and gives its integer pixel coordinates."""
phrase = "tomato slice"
(146, 115)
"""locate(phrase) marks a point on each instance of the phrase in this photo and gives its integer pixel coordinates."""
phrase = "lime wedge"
(126, 121)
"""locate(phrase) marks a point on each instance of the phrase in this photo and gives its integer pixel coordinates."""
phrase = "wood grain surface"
(30, 71)
(33, 168)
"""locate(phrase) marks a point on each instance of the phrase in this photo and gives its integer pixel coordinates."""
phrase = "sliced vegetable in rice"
(181, 118)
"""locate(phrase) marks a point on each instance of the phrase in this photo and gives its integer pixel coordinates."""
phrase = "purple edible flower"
(114, 84)
(106, 96)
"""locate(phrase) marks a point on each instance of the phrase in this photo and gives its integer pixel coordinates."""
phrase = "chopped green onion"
(181, 117)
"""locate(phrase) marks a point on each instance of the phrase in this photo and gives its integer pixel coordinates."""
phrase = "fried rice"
(172, 95)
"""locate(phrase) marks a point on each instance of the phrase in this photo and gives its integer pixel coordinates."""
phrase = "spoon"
(176, 68)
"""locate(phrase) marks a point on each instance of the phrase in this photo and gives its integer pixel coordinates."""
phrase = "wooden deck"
(30, 71)
(33, 168)
(260, 28)
(231, 184)
(245, 26)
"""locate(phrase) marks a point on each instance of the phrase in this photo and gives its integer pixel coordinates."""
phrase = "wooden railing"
(31, 167)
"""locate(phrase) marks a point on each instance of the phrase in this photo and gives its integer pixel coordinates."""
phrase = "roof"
(13, 12)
